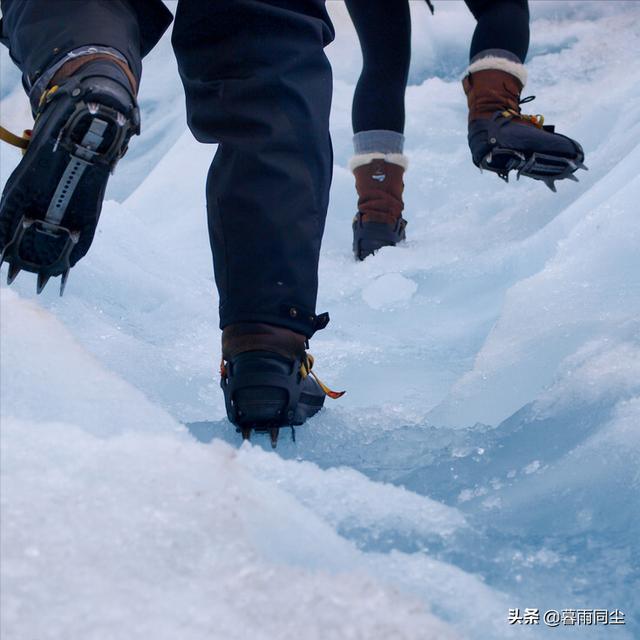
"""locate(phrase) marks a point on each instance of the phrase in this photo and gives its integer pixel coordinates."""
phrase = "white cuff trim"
(501, 64)
(365, 158)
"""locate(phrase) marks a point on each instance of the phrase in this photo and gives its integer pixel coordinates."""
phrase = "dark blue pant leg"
(258, 82)
(40, 32)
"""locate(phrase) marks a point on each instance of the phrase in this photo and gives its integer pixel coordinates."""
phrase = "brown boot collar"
(75, 64)
(254, 336)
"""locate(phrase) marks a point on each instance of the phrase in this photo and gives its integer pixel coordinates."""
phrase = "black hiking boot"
(51, 203)
(502, 139)
(506, 143)
(267, 380)
(369, 235)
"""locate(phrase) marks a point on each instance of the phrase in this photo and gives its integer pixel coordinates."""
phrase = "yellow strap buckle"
(537, 120)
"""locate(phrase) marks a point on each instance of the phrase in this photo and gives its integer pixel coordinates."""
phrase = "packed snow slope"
(486, 455)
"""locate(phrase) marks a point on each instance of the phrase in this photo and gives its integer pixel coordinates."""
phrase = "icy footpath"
(449, 313)
(115, 523)
(486, 454)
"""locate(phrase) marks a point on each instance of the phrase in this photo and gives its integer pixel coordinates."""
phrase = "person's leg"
(257, 81)
(501, 139)
(81, 63)
(378, 115)
(502, 25)
(40, 34)
(384, 33)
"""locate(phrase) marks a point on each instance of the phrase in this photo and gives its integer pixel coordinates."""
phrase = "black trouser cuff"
(290, 317)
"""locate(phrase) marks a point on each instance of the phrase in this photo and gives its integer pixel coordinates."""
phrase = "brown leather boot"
(491, 90)
(379, 183)
(502, 138)
(255, 336)
(267, 380)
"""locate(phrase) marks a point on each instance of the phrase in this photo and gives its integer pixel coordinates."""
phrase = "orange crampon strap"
(305, 370)
(537, 120)
(22, 142)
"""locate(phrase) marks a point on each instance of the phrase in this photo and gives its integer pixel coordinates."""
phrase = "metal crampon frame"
(538, 166)
(82, 156)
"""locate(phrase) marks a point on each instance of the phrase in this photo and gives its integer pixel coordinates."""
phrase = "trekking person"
(258, 83)
(501, 138)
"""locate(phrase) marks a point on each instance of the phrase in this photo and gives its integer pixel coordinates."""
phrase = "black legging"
(384, 31)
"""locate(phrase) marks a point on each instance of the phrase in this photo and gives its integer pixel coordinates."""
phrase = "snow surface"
(486, 455)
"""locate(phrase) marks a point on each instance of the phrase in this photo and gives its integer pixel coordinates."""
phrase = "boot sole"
(51, 203)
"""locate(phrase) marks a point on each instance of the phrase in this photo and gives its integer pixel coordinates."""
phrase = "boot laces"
(536, 120)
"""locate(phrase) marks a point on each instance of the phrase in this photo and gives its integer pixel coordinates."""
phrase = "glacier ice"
(486, 454)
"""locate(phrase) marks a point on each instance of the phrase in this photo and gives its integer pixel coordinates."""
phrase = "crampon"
(265, 392)
(538, 166)
(510, 141)
(51, 203)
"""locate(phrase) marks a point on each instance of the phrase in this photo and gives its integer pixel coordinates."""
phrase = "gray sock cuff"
(378, 141)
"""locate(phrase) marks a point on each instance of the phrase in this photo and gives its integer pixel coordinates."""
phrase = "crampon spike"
(2, 256)
(63, 281)
(273, 433)
(246, 434)
(572, 177)
(42, 282)
(551, 184)
(14, 270)
(581, 165)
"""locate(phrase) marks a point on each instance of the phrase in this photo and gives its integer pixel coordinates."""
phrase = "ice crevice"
(485, 456)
